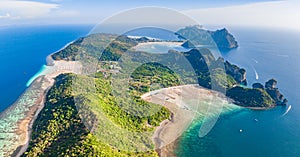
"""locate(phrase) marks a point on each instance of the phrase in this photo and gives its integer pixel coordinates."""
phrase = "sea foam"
(41, 72)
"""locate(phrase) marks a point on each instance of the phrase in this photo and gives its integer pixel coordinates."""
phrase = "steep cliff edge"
(197, 35)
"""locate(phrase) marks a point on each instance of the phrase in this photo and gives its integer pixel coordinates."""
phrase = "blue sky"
(20, 12)
(89, 11)
(84, 5)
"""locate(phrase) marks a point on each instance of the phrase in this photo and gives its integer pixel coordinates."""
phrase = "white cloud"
(7, 15)
(26, 9)
(284, 14)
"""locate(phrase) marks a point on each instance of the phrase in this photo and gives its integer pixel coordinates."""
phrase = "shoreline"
(149, 47)
(181, 112)
(58, 67)
(33, 114)
(164, 138)
(18, 116)
(178, 100)
(29, 104)
(185, 104)
(261, 108)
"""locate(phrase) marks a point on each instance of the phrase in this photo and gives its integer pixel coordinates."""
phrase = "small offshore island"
(62, 128)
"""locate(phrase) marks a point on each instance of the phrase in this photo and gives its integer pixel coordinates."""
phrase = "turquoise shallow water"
(40, 72)
(9, 119)
(272, 54)
(265, 54)
(269, 53)
(23, 51)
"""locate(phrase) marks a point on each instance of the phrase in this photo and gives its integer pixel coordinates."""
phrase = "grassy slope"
(59, 130)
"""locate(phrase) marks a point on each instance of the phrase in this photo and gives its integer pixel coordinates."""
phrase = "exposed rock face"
(271, 83)
(258, 86)
(239, 74)
(224, 40)
(275, 93)
(197, 35)
(205, 66)
(284, 102)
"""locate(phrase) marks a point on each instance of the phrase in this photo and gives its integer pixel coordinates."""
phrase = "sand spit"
(186, 103)
(16, 121)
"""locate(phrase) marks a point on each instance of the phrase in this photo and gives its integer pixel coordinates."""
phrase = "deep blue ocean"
(272, 54)
(264, 53)
(23, 51)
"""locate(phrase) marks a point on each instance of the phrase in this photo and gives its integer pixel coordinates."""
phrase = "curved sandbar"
(186, 103)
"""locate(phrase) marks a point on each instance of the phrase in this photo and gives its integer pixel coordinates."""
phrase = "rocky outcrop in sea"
(273, 91)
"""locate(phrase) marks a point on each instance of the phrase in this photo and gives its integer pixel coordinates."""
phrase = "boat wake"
(256, 74)
(287, 111)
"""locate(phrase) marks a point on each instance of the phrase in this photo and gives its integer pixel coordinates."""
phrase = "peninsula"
(84, 115)
(200, 36)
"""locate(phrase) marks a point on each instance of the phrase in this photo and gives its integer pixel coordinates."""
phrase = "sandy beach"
(185, 103)
(158, 47)
(163, 43)
(33, 101)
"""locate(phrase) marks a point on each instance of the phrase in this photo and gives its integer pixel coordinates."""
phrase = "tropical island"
(82, 110)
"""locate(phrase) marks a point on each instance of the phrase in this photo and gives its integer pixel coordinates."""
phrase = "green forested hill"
(89, 116)
(60, 131)
(210, 72)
